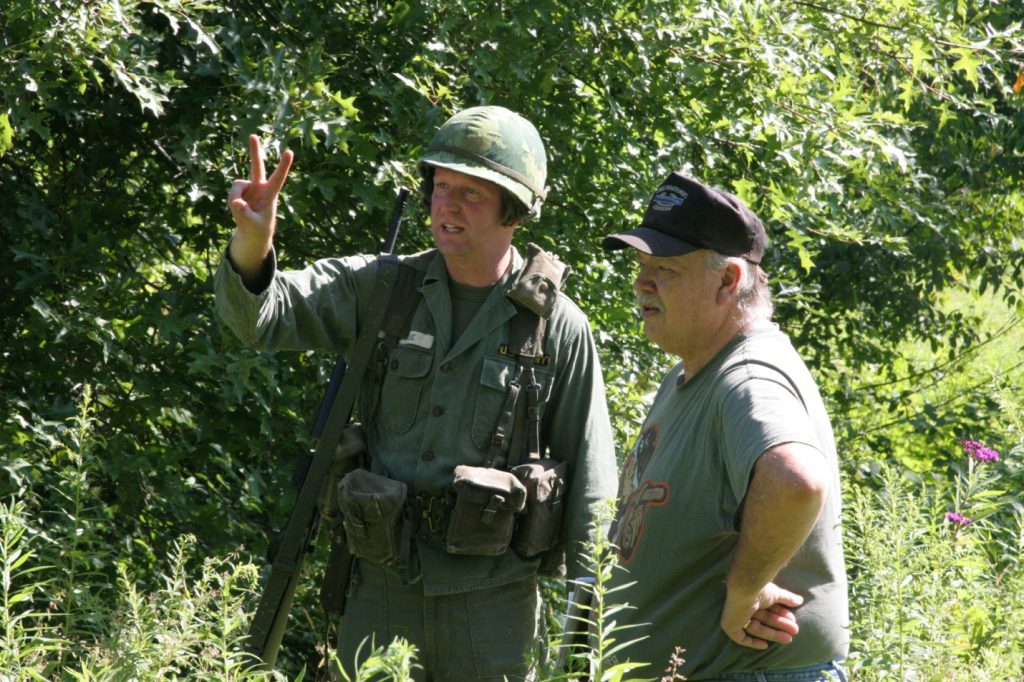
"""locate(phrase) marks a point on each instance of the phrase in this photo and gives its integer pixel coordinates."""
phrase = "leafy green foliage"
(879, 141)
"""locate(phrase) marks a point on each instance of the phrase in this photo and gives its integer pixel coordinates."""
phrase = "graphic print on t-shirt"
(635, 496)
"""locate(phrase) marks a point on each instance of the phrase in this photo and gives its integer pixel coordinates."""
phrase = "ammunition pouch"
(539, 527)
(372, 512)
(484, 511)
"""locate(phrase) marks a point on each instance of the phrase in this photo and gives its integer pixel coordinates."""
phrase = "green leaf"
(6, 134)
(796, 242)
(918, 55)
(968, 62)
(744, 189)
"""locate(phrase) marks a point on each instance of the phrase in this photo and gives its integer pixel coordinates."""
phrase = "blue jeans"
(819, 672)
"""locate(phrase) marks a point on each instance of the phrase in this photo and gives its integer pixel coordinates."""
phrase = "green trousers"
(481, 635)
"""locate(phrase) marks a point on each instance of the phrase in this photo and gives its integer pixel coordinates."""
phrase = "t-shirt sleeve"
(759, 410)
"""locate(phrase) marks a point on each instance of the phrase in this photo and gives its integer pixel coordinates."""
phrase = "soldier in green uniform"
(437, 415)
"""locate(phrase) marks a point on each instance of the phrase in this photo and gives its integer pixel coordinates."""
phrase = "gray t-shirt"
(681, 491)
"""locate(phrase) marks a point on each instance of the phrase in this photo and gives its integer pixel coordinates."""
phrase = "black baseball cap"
(685, 215)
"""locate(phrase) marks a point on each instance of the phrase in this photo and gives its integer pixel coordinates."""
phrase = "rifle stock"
(266, 630)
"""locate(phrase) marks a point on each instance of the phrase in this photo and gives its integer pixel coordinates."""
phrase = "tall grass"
(64, 620)
(25, 642)
(935, 596)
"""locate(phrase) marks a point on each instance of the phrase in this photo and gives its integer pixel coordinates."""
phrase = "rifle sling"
(297, 533)
(397, 321)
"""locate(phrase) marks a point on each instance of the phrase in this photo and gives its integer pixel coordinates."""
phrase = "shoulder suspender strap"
(402, 299)
(519, 424)
(506, 421)
(387, 276)
(399, 303)
(524, 444)
(526, 334)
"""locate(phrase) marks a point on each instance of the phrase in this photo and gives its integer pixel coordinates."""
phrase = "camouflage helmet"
(495, 144)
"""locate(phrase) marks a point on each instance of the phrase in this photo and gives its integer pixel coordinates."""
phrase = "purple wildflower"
(958, 519)
(979, 451)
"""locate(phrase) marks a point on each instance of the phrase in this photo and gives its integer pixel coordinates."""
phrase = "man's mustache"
(647, 300)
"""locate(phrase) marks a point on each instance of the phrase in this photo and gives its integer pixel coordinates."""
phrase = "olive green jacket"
(439, 402)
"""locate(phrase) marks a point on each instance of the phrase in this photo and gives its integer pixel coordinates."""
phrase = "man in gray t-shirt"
(729, 506)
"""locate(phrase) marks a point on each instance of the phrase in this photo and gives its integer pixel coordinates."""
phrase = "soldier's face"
(465, 217)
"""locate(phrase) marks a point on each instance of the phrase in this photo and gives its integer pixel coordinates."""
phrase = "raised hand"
(253, 205)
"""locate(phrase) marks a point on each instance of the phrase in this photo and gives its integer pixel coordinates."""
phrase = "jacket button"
(428, 456)
(447, 368)
(438, 410)
(394, 365)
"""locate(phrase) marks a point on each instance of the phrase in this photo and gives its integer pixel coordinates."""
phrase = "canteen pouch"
(539, 528)
(371, 509)
(484, 513)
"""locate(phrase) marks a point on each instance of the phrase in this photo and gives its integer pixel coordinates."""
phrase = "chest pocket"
(495, 376)
(407, 374)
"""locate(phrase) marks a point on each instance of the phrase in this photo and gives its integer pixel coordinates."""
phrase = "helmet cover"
(495, 144)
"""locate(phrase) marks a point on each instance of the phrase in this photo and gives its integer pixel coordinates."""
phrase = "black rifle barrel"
(396, 220)
(266, 630)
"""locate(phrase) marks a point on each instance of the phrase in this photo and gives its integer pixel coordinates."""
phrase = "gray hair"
(753, 295)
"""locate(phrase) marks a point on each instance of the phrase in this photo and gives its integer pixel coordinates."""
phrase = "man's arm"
(253, 205)
(786, 494)
(578, 430)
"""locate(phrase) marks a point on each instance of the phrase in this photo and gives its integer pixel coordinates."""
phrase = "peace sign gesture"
(253, 205)
(253, 202)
